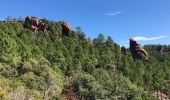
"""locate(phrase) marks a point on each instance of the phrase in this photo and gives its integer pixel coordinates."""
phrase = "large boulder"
(138, 51)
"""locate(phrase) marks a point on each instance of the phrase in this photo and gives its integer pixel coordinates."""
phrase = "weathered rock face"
(137, 51)
(35, 24)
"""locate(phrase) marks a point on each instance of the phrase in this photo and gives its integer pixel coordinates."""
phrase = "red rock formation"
(66, 28)
(137, 51)
(35, 24)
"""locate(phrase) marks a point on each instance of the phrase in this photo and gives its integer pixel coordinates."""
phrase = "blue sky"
(120, 19)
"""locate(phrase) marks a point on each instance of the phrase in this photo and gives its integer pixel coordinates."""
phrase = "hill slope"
(70, 66)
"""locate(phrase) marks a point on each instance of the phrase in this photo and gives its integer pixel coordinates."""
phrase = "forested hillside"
(53, 65)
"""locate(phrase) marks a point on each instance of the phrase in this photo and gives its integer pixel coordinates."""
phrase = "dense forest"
(57, 66)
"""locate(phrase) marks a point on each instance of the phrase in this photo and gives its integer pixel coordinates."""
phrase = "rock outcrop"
(138, 51)
(35, 24)
(66, 28)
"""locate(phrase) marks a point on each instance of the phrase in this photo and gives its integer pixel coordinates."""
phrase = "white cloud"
(114, 13)
(148, 38)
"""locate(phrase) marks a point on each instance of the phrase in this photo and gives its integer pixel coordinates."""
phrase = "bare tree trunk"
(157, 95)
(47, 90)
